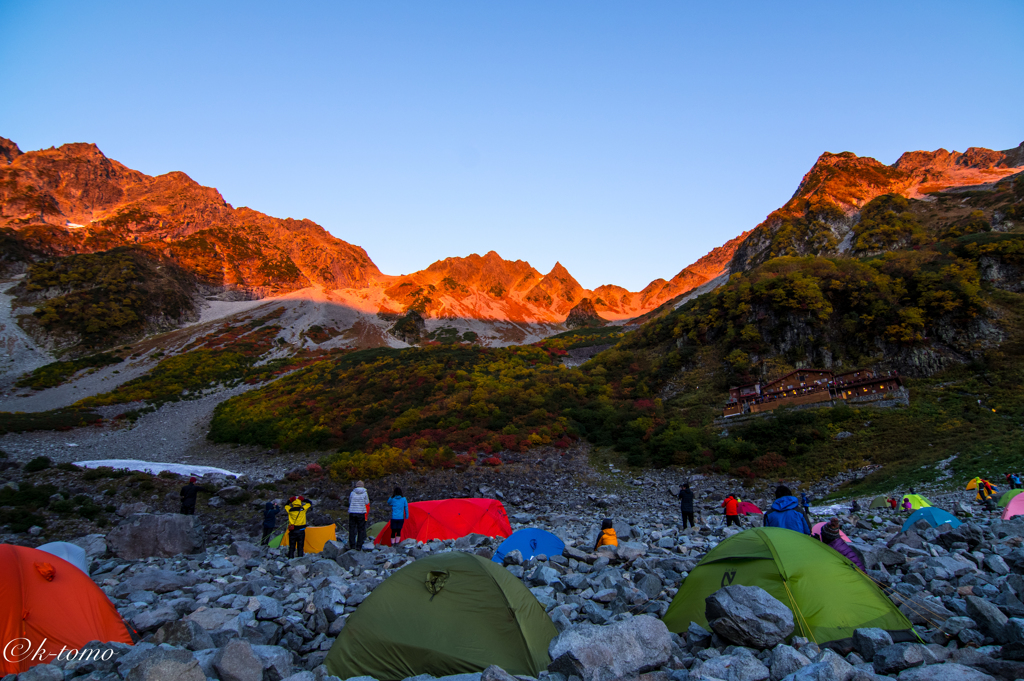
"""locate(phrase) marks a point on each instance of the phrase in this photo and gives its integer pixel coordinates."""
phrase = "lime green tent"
(879, 502)
(275, 541)
(1008, 497)
(453, 613)
(828, 595)
(373, 530)
(916, 501)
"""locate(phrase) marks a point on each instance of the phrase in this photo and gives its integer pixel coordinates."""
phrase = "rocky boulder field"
(209, 603)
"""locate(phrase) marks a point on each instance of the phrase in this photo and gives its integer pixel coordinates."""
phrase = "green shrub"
(39, 463)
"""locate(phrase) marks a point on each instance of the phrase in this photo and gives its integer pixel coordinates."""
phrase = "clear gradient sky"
(625, 140)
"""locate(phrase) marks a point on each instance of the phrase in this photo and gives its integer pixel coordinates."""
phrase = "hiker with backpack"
(686, 505)
(832, 535)
(358, 513)
(296, 508)
(732, 514)
(785, 512)
(399, 513)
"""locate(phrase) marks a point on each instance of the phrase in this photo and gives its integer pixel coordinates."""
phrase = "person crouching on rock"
(607, 536)
(358, 512)
(296, 508)
(188, 497)
(399, 513)
(270, 512)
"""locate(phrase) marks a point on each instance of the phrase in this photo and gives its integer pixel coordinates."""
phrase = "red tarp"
(746, 508)
(46, 597)
(451, 519)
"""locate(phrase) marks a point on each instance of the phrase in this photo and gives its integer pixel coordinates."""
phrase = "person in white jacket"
(358, 513)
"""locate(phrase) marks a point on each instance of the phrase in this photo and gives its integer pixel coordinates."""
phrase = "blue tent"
(934, 516)
(531, 542)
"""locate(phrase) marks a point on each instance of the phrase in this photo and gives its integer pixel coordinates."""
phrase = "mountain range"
(70, 201)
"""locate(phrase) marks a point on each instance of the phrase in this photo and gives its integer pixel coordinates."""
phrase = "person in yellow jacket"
(296, 508)
(607, 536)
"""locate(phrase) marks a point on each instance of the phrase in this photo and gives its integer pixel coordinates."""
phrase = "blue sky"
(625, 140)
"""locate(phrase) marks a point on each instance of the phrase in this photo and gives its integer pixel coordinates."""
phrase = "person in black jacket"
(188, 497)
(686, 504)
(270, 512)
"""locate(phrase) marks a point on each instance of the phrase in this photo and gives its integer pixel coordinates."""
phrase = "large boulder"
(161, 535)
(604, 653)
(748, 616)
(949, 671)
(738, 667)
(990, 619)
(786, 660)
(237, 661)
(897, 657)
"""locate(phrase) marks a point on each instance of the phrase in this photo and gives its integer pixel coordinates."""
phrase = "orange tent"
(451, 519)
(316, 537)
(47, 604)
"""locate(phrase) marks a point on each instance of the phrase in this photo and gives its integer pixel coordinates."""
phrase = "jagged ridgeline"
(945, 313)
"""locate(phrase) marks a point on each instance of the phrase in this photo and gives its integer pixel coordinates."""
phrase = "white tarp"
(184, 469)
(69, 552)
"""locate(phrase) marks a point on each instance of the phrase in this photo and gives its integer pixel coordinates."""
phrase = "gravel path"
(175, 433)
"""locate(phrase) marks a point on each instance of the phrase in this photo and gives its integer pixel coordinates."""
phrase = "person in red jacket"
(732, 514)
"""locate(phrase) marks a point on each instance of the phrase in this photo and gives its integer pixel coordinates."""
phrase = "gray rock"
(95, 545)
(949, 671)
(157, 581)
(277, 662)
(333, 549)
(748, 616)
(897, 657)
(867, 642)
(630, 550)
(163, 535)
(231, 493)
(990, 619)
(237, 661)
(183, 634)
(731, 668)
(43, 672)
(828, 667)
(650, 585)
(165, 664)
(496, 673)
(212, 619)
(148, 620)
(302, 676)
(786, 660)
(625, 648)
(355, 559)
(244, 549)
(513, 557)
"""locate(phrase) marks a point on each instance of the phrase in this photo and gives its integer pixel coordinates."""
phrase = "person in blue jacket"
(399, 514)
(786, 513)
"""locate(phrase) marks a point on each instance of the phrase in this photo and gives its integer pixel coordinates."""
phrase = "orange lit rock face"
(73, 199)
(820, 215)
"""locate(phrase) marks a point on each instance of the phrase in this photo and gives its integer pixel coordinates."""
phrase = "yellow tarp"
(316, 537)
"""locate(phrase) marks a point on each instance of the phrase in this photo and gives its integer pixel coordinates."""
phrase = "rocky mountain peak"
(8, 150)
(584, 314)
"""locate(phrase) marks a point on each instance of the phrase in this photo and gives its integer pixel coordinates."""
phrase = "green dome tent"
(879, 502)
(828, 595)
(453, 613)
(373, 530)
(1008, 497)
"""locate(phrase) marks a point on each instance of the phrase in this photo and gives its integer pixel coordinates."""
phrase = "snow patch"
(154, 468)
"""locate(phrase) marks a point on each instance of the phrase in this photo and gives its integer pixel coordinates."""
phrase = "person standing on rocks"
(358, 512)
(686, 505)
(188, 497)
(296, 509)
(732, 514)
(785, 512)
(270, 512)
(399, 513)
